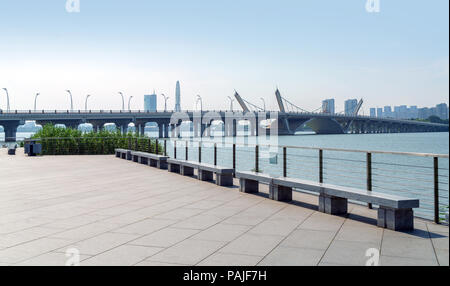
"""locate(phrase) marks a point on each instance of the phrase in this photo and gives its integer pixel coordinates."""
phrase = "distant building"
(380, 112)
(328, 106)
(350, 106)
(387, 112)
(150, 102)
(413, 112)
(442, 111)
(373, 112)
(177, 97)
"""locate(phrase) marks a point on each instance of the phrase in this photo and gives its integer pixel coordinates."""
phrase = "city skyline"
(310, 50)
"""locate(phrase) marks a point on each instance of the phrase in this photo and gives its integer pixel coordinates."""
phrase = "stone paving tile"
(287, 256)
(182, 221)
(225, 259)
(309, 239)
(190, 252)
(165, 237)
(124, 255)
(222, 232)
(253, 244)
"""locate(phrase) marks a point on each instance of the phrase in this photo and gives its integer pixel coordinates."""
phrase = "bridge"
(286, 121)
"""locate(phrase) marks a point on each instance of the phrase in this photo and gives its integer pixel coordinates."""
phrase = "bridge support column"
(10, 129)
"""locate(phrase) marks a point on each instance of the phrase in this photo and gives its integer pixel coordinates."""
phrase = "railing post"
(165, 147)
(215, 154)
(157, 146)
(129, 143)
(257, 158)
(136, 144)
(149, 145)
(436, 189)
(320, 166)
(369, 175)
(234, 160)
(284, 162)
(174, 149)
(187, 150)
(199, 152)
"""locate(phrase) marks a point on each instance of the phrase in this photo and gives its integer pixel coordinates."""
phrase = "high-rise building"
(350, 106)
(379, 112)
(373, 112)
(178, 98)
(328, 106)
(387, 112)
(150, 101)
(442, 111)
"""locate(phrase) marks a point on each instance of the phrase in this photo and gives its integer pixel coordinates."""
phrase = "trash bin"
(12, 150)
(32, 148)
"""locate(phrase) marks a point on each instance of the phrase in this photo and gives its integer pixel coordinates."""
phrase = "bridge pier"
(10, 128)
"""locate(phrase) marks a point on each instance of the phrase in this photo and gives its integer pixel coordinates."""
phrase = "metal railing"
(418, 175)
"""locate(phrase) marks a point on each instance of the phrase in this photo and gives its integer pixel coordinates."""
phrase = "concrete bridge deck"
(116, 212)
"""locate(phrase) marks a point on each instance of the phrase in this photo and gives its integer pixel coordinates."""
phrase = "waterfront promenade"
(116, 212)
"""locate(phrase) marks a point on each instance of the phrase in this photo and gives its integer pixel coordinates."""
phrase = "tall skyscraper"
(380, 112)
(373, 112)
(387, 112)
(150, 102)
(328, 106)
(350, 106)
(177, 97)
(442, 111)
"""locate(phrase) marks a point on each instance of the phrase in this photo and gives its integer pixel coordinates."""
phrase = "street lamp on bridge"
(165, 101)
(199, 98)
(35, 98)
(129, 100)
(85, 102)
(7, 98)
(123, 101)
(231, 102)
(71, 101)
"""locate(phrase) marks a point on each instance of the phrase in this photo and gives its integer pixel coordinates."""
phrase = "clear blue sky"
(310, 49)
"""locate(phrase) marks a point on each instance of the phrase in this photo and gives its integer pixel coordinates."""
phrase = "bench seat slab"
(396, 219)
(280, 193)
(332, 205)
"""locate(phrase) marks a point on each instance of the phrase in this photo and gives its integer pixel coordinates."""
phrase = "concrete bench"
(123, 153)
(395, 212)
(150, 159)
(224, 175)
(249, 181)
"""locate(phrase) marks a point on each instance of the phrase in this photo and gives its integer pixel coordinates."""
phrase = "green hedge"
(67, 141)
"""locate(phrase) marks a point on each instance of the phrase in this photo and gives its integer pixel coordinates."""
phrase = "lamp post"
(7, 99)
(264, 102)
(165, 101)
(231, 102)
(35, 98)
(199, 98)
(129, 100)
(71, 101)
(123, 101)
(85, 102)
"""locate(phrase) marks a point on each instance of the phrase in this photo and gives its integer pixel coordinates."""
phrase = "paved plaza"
(116, 212)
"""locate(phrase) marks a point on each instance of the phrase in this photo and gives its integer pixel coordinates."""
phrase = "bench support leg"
(332, 205)
(280, 193)
(396, 219)
(187, 171)
(204, 175)
(151, 162)
(174, 168)
(118, 155)
(248, 186)
(135, 158)
(224, 180)
(161, 165)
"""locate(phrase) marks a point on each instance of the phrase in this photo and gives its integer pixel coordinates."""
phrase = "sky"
(310, 49)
